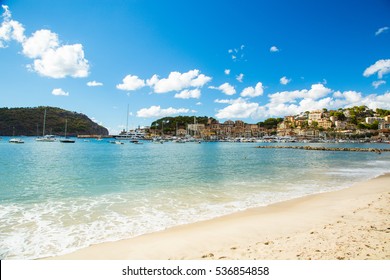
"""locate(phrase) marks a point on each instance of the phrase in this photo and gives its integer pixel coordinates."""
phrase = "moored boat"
(16, 141)
(45, 138)
(66, 139)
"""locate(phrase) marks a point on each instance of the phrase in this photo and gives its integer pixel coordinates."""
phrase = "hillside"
(29, 122)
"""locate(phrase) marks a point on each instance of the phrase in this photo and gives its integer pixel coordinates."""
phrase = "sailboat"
(66, 139)
(133, 136)
(45, 138)
(15, 140)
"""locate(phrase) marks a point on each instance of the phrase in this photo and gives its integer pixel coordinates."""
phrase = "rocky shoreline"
(310, 148)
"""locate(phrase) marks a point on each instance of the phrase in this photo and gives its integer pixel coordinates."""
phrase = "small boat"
(66, 139)
(117, 142)
(180, 141)
(16, 141)
(46, 138)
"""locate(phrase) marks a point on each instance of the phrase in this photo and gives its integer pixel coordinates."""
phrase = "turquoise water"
(56, 198)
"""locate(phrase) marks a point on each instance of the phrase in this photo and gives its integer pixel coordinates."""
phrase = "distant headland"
(29, 122)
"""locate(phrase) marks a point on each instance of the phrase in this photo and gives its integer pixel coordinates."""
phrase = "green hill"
(29, 122)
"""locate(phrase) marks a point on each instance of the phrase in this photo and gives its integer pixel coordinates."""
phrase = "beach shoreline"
(351, 223)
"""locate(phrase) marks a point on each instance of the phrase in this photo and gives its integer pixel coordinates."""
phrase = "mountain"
(29, 122)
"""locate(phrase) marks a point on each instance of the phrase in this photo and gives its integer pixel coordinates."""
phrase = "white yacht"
(16, 141)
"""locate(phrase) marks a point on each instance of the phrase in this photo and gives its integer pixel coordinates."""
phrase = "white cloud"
(381, 66)
(94, 84)
(131, 82)
(227, 71)
(240, 77)
(284, 80)
(239, 108)
(200, 81)
(177, 81)
(226, 88)
(198, 103)
(50, 58)
(59, 92)
(39, 43)
(65, 61)
(316, 91)
(253, 92)
(10, 29)
(381, 30)
(224, 101)
(237, 53)
(376, 84)
(152, 81)
(187, 94)
(294, 102)
(274, 49)
(157, 112)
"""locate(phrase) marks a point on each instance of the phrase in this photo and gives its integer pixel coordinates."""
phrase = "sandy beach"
(350, 224)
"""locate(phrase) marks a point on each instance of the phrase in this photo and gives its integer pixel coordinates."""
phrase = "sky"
(247, 60)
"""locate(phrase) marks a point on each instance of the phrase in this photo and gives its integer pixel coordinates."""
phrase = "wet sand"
(351, 224)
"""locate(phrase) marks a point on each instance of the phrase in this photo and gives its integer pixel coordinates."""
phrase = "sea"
(56, 198)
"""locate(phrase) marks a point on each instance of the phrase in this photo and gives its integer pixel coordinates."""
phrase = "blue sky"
(247, 60)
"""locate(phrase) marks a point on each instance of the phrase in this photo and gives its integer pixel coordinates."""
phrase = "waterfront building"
(324, 123)
(315, 115)
(371, 120)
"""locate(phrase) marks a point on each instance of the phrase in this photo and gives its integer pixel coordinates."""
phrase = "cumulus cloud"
(131, 82)
(253, 92)
(239, 108)
(274, 49)
(59, 92)
(64, 61)
(39, 43)
(284, 81)
(94, 84)
(157, 112)
(294, 102)
(50, 58)
(240, 77)
(187, 94)
(226, 88)
(381, 67)
(227, 71)
(316, 91)
(376, 84)
(177, 81)
(10, 29)
(381, 30)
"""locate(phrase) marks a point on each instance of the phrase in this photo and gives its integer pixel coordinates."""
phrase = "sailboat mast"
(127, 119)
(66, 126)
(44, 123)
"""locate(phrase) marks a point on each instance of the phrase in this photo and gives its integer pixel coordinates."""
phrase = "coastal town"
(358, 122)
